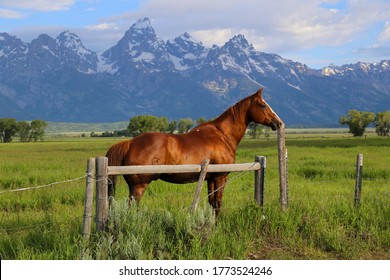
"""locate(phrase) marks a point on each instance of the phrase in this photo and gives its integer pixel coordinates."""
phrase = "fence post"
(282, 152)
(260, 180)
(101, 193)
(199, 187)
(88, 198)
(359, 178)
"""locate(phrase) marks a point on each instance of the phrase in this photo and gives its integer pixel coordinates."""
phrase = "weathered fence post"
(260, 180)
(88, 198)
(359, 178)
(199, 187)
(282, 166)
(286, 176)
(101, 193)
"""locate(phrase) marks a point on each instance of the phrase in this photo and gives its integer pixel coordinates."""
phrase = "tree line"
(358, 121)
(26, 131)
(149, 123)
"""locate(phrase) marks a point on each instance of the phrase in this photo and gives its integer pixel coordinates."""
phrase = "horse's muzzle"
(276, 124)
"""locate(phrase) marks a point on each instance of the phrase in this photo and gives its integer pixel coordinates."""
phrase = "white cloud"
(102, 26)
(38, 5)
(276, 26)
(10, 14)
(279, 26)
(214, 36)
(384, 36)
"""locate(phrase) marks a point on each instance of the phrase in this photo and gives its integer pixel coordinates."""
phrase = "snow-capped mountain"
(186, 53)
(139, 49)
(59, 79)
(72, 52)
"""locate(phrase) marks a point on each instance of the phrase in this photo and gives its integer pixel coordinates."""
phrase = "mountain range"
(59, 79)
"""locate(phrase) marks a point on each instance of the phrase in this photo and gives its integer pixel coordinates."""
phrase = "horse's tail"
(116, 155)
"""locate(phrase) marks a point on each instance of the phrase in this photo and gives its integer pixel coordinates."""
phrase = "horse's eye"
(263, 106)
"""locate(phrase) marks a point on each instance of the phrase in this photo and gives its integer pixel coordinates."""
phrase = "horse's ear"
(259, 92)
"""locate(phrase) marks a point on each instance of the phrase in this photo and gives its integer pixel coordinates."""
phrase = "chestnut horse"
(215, 140)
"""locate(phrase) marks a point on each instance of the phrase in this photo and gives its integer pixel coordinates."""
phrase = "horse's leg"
(111, 188)
(216, 186)
(136, 187)
(136, 192)
(210, 191)
(220, 183)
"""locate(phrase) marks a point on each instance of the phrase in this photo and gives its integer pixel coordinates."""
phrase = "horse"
(216, 140)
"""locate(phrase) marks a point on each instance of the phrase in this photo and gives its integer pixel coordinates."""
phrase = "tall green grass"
(321, 221)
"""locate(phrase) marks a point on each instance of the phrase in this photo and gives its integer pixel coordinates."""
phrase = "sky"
(314, 32)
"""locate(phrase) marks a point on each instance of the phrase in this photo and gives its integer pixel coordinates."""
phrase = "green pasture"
(321, 221)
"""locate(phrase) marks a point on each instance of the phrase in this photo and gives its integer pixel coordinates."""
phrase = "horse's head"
(261, 112)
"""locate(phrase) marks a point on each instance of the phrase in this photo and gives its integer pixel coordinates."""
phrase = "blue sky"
(313, 32)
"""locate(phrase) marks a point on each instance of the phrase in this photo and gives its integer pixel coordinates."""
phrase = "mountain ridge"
(59, 79)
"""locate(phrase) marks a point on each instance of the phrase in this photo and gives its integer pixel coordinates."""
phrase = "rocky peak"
(186, 52)
(238, 42)
(74, 54)
(139, 48)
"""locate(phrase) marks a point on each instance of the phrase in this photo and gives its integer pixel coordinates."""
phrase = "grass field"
(320, 223)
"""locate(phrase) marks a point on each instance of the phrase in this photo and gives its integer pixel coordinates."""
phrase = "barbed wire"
(228, 181)
(47, 185)
(294, 198)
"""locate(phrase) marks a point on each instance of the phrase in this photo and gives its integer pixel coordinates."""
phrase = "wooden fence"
(98, 172)
(100, 166)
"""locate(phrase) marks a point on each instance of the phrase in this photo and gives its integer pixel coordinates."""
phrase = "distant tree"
(382, 123)
(24, 129)
(200, 121)
(37, 132)
(8, 129)
(147, 123)
(163, 124)
(255, 129)
(267, 133)
(107, 134)
(185, 125)
(172, 126)
(357, 121)
(120, 133)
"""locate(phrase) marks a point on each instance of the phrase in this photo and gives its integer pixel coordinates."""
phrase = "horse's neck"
(233, 122)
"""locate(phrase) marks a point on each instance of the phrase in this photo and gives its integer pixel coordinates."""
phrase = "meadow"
(321, 221)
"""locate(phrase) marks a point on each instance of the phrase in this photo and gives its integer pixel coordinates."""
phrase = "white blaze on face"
(272, 110)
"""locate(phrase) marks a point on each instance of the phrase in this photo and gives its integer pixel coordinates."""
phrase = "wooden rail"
(185, 168)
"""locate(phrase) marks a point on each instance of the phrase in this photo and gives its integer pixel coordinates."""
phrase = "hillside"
(59, 79)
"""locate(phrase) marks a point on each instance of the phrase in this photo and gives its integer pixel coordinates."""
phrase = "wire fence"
(43, 224)
(44, 186)
(296, 196)
(79, 217)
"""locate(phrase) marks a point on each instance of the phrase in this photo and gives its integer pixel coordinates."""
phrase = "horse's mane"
(117, 153)
(233, 112)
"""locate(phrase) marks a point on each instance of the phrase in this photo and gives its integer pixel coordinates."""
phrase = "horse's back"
(201, 143)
